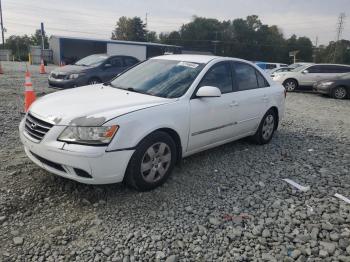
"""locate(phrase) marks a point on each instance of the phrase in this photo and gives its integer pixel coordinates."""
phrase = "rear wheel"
(266, 128)
(152, 162)
(339, 92)
(290, 85)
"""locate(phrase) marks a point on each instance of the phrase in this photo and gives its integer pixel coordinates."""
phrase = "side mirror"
(305, 71)
(208, 91)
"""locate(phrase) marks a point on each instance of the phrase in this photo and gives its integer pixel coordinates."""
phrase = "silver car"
(307, 76)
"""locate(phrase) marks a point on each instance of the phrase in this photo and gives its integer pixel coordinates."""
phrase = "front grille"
(36, 128)
(58, 76)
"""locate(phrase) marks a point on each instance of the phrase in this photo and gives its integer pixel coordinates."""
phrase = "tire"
(266, 128)
(152, 162)
(339, 92)
(290, 85)
(94, 81)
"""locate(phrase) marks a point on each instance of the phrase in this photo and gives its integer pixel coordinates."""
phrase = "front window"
(159, 77)
(91, 60)
(300, 68)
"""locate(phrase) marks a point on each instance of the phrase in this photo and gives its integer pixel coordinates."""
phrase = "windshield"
(91, 60)
(158, 77)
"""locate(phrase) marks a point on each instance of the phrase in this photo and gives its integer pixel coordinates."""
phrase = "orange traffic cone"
(42, 67)
(1, 71)
(29, 95)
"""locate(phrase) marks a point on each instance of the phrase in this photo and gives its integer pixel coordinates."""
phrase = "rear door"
(336, 71)
(251, 96)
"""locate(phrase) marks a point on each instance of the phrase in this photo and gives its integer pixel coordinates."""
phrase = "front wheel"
(339, 92)
(152, 162)
(290, 85)
(266, 128)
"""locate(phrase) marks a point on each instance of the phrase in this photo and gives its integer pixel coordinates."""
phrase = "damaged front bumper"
(85, 164)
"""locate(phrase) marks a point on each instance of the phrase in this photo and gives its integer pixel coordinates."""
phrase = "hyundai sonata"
(136, 127)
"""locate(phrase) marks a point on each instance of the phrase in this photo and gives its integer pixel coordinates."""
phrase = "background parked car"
(338, 88)
(90, 70)
(280, 70)
(307, 76)
(295, 65)
(269, 66)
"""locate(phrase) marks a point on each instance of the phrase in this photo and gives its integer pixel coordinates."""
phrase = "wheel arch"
(291, 78)
(347, 89)
(174, 135)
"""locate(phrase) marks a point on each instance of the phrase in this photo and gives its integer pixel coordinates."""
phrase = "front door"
(212, 118)
(112, 68)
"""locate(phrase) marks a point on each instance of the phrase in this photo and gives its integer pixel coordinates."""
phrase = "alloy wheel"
(340, 93)
(155, 162)
(268, 126)
(290, 85)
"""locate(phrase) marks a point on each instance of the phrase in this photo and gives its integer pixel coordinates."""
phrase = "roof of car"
(332, 64)
(188, 58)
(204, 59)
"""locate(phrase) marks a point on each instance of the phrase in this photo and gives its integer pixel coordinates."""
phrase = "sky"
(97, 18)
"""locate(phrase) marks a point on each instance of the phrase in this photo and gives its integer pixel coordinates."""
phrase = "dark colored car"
(338, 88)
(90, 70)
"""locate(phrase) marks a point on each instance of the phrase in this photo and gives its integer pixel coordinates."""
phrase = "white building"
(70, 49)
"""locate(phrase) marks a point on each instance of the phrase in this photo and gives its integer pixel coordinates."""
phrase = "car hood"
(70, 69)
(91, 105)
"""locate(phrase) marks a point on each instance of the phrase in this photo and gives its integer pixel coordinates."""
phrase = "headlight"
(74, 76)
(100, 135)
(326, 83)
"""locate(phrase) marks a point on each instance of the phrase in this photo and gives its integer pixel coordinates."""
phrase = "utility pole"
(315, 49)
(2, 27)
(146, 20)
(215, 42)
(340, 28)
(42, 36)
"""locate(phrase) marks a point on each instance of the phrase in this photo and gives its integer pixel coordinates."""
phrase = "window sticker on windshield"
(187, 64)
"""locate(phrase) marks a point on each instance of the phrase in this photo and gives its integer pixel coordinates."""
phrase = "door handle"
(234, 103)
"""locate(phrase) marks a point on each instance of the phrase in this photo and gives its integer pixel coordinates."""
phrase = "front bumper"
(67, 83)
(76, 161)
(278, 80)
(321, 89)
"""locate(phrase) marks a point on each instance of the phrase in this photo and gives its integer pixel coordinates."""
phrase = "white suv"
(136, 127)
(308, 75)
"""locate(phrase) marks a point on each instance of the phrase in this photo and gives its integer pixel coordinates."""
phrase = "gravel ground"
(225, 204)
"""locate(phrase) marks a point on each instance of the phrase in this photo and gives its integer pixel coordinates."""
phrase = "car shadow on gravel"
(218, 173)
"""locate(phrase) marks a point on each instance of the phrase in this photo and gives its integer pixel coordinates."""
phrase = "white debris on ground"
(225, 204)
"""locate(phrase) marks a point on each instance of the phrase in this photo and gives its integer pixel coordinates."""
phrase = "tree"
(151, 36)
(36, 39)
(19, 45)
(131, 29)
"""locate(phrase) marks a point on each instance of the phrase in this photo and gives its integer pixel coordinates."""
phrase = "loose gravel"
(225, 204)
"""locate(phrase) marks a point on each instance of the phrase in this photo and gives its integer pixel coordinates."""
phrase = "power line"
(340, 28)
(2, 27)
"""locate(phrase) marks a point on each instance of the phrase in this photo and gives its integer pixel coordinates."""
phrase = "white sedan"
(136, 127)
